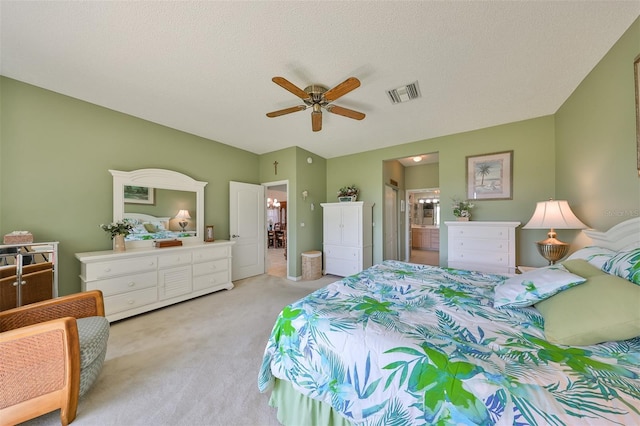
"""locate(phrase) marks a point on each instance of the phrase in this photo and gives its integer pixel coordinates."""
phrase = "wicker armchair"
(51, 352)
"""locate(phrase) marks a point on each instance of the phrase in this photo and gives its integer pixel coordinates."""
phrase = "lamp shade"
(554, 214)
(183, 214)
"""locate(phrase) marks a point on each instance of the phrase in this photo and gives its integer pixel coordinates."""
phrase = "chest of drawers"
(140, 280)
(482, 246)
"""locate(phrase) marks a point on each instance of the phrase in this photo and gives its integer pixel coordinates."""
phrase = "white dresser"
(347, 237)
(144, 279)
(483, 246)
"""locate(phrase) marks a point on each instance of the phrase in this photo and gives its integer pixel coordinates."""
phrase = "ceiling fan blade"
(341, 89)
(286, 84)
(316, 121)
(286, 111)
(335, 109)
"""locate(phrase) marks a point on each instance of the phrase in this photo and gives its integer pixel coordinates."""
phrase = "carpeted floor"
(195, 363)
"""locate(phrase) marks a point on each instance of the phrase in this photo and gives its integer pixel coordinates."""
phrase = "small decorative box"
(169, 243)
(18, 237)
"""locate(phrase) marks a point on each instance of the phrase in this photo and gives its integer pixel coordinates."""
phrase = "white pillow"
(597, 256)
(533, 286)
(625, 264)
(159, 226)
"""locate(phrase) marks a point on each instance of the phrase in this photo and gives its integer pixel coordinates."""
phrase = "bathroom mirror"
(163, 204)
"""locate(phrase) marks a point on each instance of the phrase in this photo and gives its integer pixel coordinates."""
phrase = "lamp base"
(552, 249)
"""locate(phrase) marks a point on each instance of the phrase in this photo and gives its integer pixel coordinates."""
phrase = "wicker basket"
(311, 265)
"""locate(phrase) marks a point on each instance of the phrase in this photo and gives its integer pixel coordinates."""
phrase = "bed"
(404, 344)
(147, 227)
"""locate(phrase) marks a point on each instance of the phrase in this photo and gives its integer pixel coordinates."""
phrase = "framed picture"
(490, 176)
(138, 194)
(636, 73)
(208, 234)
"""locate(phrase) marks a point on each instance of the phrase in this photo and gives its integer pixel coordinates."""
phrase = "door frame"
(407, 218)
(266, 186)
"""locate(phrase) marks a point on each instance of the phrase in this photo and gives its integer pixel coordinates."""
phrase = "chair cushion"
(93, 333)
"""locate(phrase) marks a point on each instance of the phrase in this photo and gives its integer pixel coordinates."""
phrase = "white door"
(247, 229)
(390, 223)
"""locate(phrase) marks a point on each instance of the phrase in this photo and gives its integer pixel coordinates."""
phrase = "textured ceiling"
(206, 67)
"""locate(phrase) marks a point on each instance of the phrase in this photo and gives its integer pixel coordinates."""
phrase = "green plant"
(117, 228)
(462, 208)
(347, 191)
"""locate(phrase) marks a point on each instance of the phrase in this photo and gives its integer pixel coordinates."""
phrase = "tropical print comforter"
(405, 344)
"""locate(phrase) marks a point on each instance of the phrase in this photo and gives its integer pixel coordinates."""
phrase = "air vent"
(404, 93)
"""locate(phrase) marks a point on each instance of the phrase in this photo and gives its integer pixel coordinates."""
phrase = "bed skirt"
(295, 409)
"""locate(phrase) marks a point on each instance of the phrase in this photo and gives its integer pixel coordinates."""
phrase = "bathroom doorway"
(423, 225)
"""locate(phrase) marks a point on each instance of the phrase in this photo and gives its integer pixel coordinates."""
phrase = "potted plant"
(462, 209)
(117, 231)
(348, 193)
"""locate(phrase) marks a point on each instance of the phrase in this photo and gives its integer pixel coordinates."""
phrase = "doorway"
(423, 226)
(276, 220)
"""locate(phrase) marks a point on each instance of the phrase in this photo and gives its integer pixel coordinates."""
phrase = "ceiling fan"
(318, 97)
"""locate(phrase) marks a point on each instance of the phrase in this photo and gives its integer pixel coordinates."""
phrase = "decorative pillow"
(595, 255)
(533, 286)
(605, 308)
(150, 227)
(625, 264)
(138, 229)
(582, 268)
(159, 226)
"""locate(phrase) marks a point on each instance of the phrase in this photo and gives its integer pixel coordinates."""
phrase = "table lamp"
(553, 214)
(182, 216)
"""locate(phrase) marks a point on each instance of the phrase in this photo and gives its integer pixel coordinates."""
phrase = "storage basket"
(18, 238)
(312, 265)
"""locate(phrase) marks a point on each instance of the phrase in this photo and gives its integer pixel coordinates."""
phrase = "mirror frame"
(162, 179)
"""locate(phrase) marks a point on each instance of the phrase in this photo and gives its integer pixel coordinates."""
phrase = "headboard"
(621, 235)
(146, 218)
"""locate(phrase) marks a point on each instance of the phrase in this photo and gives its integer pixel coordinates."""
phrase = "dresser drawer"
(211, 280)
(210, 253)
(118, 285)
(112, 268)
(131, 300)
(486, 257)
(493, 233)
(210, 267)
(174, 259)
(500, 246)
(342, 267)
(341, 252)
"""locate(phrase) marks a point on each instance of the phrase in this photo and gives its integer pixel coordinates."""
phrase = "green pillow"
(150, 227)
(604, 308)
(583, 268)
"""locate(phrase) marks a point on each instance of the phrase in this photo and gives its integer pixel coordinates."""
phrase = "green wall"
(56, 153)
(533, 177)
(425, 176)
(301, 175)
(596, 140)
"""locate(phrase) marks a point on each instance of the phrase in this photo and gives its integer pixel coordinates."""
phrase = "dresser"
(482, 246)
(347, 232)
(143, 279)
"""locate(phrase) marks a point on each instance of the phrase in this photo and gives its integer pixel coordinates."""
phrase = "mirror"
(162, 203)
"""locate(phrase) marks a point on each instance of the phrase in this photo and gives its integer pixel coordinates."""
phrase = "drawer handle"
(213, 267)
(107, 269)
(131, 301)
(131, 284)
